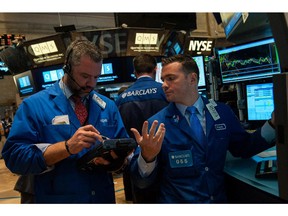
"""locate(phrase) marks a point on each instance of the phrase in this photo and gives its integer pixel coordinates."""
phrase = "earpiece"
(67, 66)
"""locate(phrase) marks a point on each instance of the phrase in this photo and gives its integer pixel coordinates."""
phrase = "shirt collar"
(67, 92)
(199, 104)
(144, 76)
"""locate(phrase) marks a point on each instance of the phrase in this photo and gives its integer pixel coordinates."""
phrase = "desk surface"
(244, 170)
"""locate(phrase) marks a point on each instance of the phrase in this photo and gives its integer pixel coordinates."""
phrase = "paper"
(265, 154)
(60, 120)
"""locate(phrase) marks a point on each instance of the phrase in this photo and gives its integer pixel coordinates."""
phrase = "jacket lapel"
(94, 110)
(209, 120)
(177, 119)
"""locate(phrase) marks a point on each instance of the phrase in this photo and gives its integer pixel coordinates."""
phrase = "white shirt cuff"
(145, 169)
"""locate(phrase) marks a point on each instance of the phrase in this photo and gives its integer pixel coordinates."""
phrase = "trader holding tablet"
(54, 128)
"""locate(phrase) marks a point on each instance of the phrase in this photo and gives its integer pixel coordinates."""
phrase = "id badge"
(180, 159)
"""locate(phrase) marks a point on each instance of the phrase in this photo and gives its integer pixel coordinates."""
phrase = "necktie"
(195, 125)
(80, 109)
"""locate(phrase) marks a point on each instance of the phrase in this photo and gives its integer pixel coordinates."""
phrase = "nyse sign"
(113, 43)
(125, 42)
(200, 46)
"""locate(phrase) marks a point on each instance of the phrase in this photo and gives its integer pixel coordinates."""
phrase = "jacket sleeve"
(20, 154)
(138, 180)
(242, 143)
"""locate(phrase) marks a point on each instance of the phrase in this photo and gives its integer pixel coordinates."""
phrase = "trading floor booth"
(264, 177)
(244, 187)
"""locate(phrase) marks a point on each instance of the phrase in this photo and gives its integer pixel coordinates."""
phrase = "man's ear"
(193, 78)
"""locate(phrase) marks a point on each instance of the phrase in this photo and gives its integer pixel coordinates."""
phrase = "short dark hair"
(144, 63)
(188, 63)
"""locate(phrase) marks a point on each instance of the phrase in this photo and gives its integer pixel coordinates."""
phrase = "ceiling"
(35, 25)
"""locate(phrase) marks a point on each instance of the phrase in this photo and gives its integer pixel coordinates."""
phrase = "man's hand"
(84, 137)
(150, 142)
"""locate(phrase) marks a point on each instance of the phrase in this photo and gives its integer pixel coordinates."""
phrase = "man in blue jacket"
(190, 170)
(136, 104)
(47, 138)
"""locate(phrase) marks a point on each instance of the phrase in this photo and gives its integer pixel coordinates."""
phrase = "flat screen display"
(202, 77)
(24, 83)
(260, 101)
(250, 61)
(47, 76)
(3, 67)
(158, 72)
(201, 65)
(229, 21)
(116, 70)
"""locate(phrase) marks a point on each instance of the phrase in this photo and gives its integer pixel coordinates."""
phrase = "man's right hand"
(84, 137)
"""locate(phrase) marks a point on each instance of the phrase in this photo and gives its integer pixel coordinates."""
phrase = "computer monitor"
(229, 21)
(201, 65)
(24, 83)
(158, 72)
(3, 67)
(260, 101)
(46, 76)
(202, 75)
(116, 70)
(250, 61)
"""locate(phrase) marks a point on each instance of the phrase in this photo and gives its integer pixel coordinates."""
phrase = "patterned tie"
(80, 109)
(195, 125)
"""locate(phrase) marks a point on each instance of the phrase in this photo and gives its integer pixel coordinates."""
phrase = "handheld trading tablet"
(122, 147)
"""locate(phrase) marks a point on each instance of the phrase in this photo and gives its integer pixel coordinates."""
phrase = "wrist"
(148, 159)
(67, 147)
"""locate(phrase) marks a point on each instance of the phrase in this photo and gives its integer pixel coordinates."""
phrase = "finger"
(153, 129)
(136, 134)
(100, 161)
(90, 128)
(113, 154)
(145, 129)
(89, 139)
(99, 138)
(162, 132)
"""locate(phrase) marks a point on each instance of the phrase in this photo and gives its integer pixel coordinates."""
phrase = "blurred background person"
(136, 104)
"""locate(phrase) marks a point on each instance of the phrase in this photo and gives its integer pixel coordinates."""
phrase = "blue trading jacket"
(140, 101)
(65, 183)
(203, 182)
